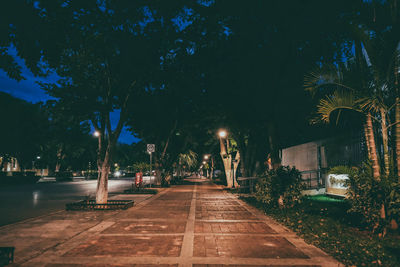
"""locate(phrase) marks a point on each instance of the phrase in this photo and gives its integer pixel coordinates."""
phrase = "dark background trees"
(176, 72)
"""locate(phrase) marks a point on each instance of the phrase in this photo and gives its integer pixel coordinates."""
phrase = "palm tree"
(341, 100)
(186, 160)
(370, 79)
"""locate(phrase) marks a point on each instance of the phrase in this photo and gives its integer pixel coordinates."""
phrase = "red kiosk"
(139, 179)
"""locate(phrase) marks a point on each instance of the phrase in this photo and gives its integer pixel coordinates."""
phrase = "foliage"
(394, 202)
(283, 184)
(367, 195)
(329, 226)
(23, 129)
(140, 167)
(341, 170)
(188, 160)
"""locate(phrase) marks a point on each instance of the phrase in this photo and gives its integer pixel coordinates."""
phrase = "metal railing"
(314, 179)
(247, 184)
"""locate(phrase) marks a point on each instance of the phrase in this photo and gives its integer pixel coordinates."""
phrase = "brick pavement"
(189, 225)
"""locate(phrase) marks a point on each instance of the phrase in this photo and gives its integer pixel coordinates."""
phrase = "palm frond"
(370, 104)
(326, 77)
(320, 77)
(339, 100)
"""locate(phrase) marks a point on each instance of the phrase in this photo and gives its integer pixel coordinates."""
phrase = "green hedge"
(281, 187)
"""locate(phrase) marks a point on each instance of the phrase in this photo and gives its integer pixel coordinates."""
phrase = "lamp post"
(206, 158)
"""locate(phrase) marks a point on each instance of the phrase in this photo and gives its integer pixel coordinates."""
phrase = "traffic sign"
(151, 148)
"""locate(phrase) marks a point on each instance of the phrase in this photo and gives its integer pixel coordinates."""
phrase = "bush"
(342, 170)
(281, 187)
(367, 196)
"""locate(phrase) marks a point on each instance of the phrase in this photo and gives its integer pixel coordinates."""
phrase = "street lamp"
(96, 133)
(205, 157)
(222, 133)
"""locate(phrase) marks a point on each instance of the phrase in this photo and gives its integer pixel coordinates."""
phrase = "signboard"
(151, 148)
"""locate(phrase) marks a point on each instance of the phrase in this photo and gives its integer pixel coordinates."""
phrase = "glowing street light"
(222, 134)
(204, 163)
(205, 157)
(96, 134)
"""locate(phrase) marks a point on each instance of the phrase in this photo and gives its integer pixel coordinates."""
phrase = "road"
(20, 202)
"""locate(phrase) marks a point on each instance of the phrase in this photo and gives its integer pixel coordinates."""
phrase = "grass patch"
(325, 223)
(325, 198)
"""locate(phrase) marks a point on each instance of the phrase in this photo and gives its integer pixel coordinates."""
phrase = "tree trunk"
(397, 134)
(227, 160)
(243, 169)
(273, 144)
(235, 166)
(59, 159)
(212, 168)
(102, 179)
(385, 141)
(367, 141)
(58, 166)
(102, 185)
(372, 145)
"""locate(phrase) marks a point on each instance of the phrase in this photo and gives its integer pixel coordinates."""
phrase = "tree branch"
(393, 124)
(122, 118)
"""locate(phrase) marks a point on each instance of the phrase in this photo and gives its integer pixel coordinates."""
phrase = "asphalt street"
(20, 202)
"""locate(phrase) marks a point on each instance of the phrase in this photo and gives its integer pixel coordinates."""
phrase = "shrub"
(280, 187)
(367, 196)
(342, 170)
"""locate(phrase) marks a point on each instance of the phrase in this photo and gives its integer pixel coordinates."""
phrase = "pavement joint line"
(147, 220)
(145, 234)
(203, 234)
(188, 239)
(246, 234)
(263, 261)
(194, 260)
(228, 221)
(106, 260)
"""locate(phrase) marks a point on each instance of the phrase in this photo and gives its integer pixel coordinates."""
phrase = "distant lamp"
(96, 134)
(38, 157)
(117, 174)
(222, 134)
(204, 163)
(205, 157)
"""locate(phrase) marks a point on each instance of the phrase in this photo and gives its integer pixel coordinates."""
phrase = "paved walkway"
(189, 225)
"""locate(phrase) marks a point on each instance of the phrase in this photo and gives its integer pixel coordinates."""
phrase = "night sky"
(30, 91)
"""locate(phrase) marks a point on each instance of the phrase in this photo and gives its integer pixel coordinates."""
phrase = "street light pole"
(150, 166)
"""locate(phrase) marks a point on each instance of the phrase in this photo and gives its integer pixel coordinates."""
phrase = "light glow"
(222, 134)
